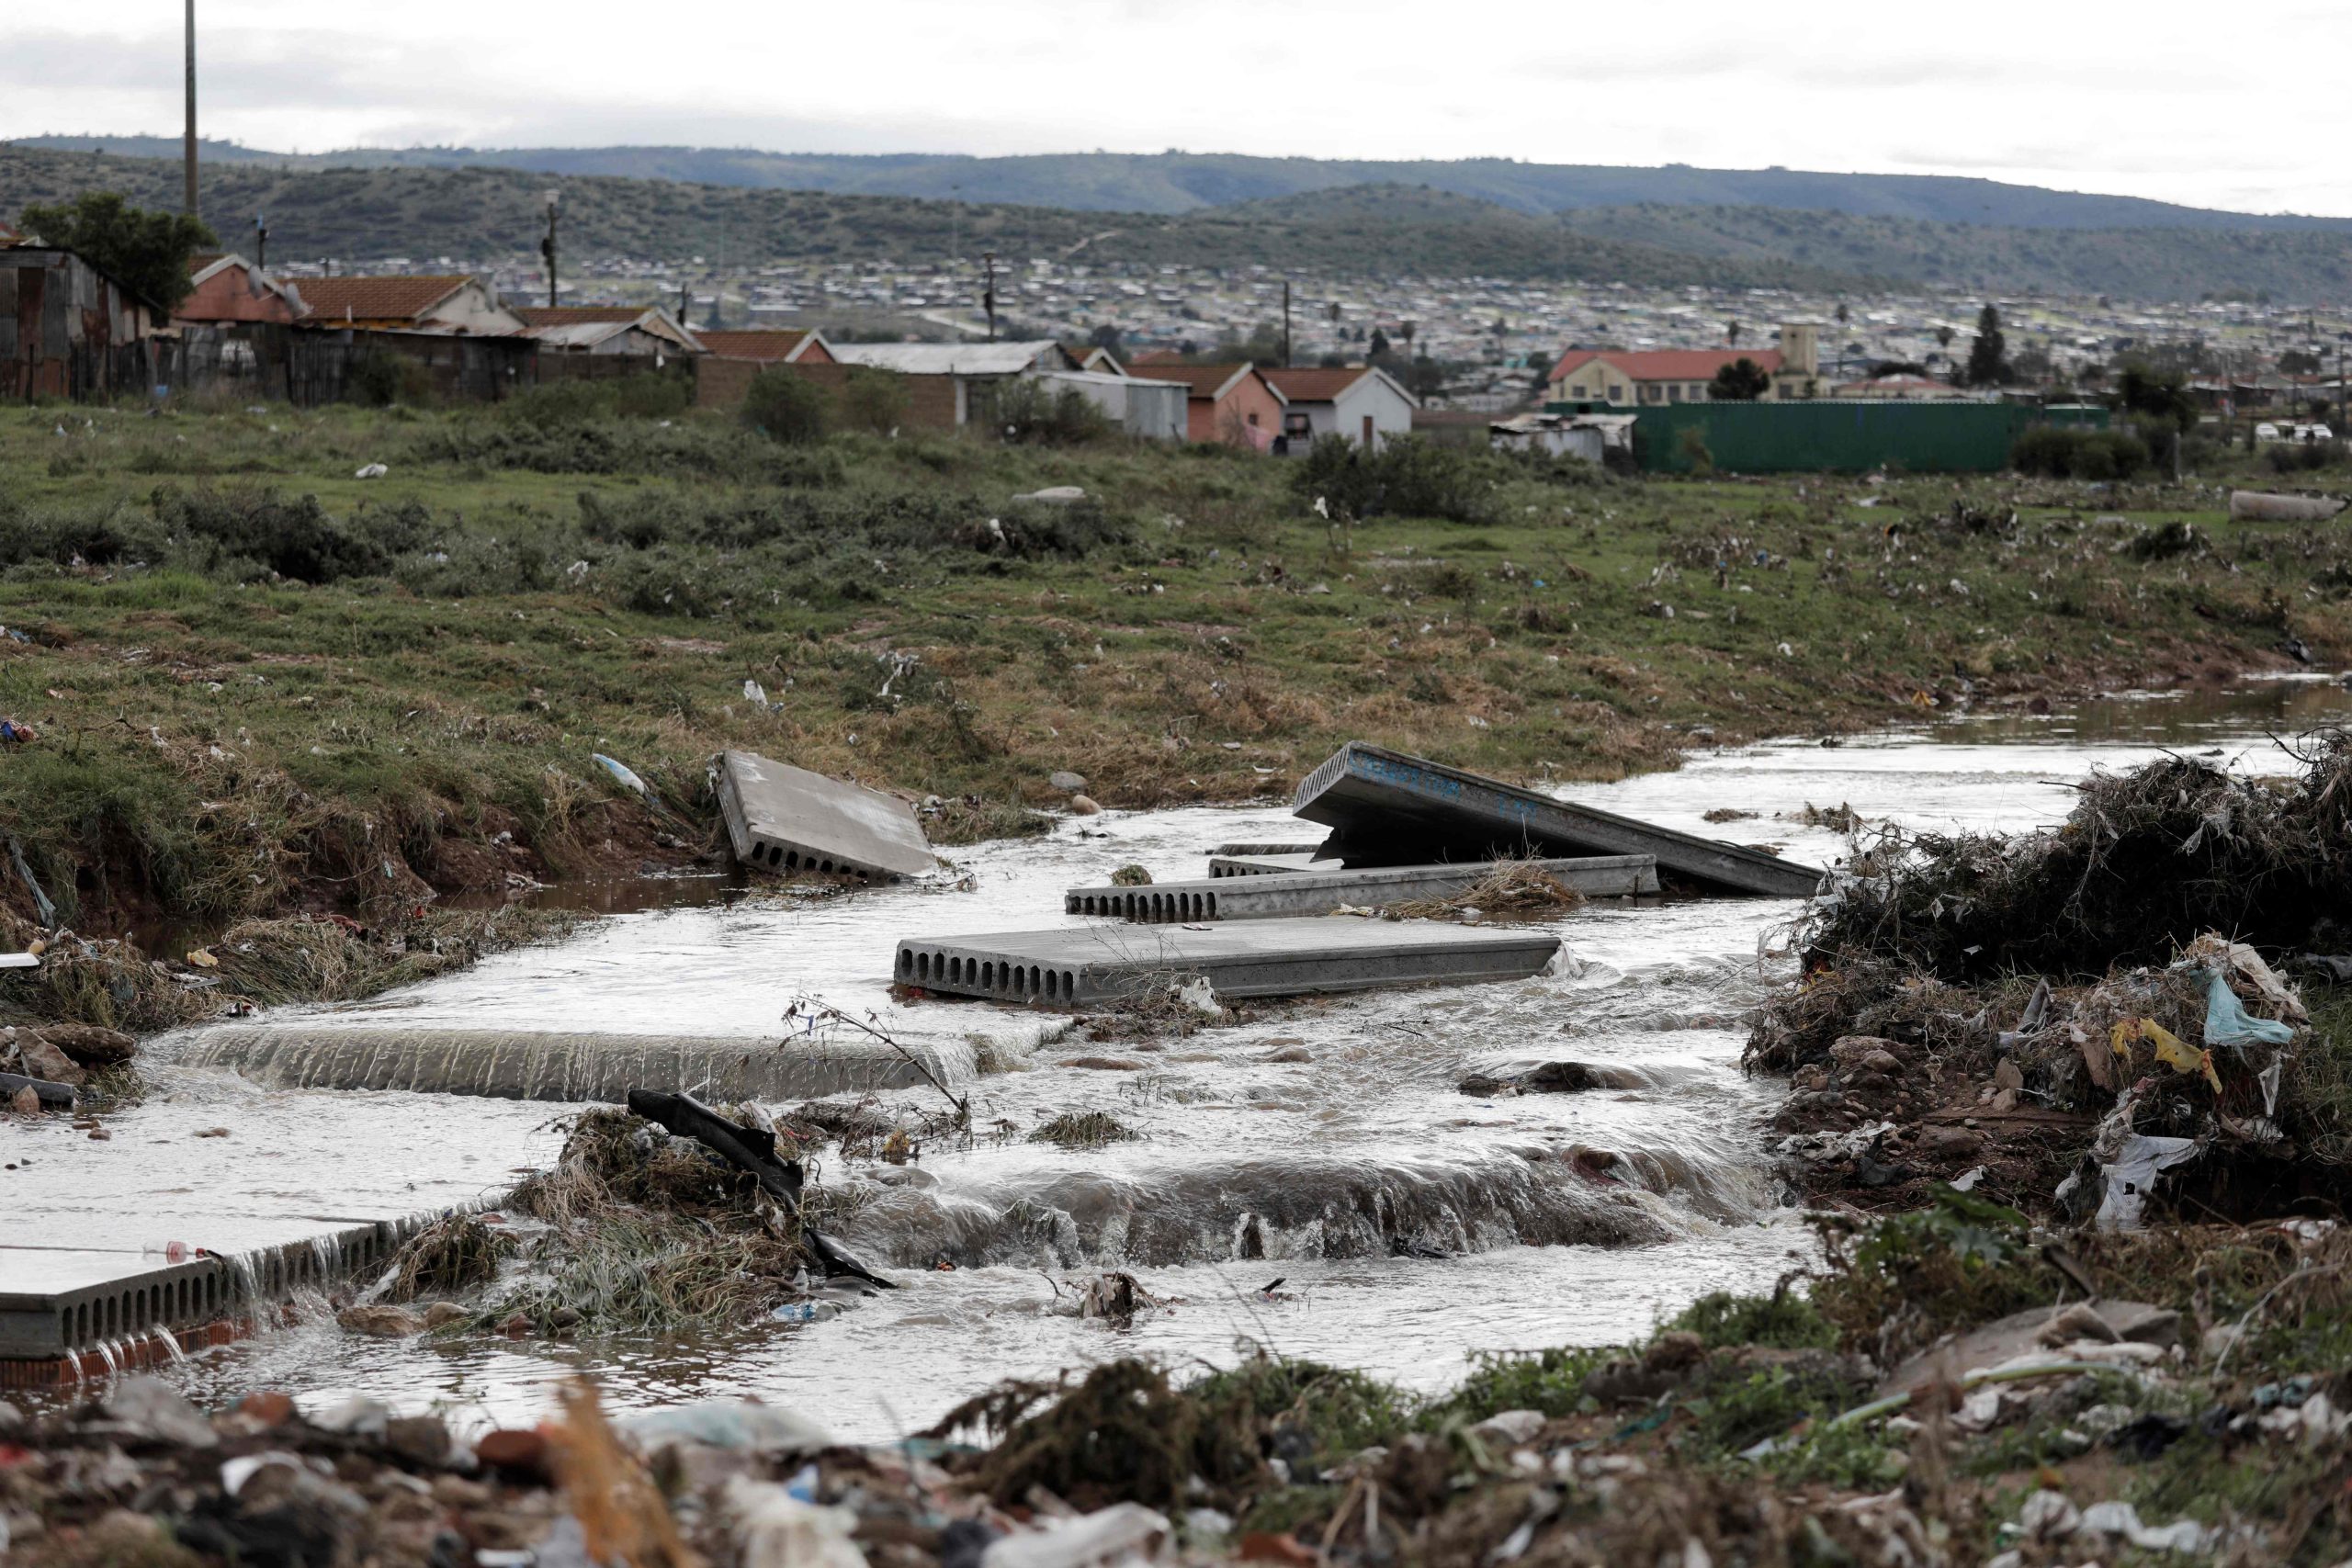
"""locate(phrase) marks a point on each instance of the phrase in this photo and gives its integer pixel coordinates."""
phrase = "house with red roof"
(1358, 403)
(1230, 405)
(451, 304)
(770, 345)
(1615, 378)
(224, 286)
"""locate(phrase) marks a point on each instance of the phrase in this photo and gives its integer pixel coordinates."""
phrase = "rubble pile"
(2057, 1019)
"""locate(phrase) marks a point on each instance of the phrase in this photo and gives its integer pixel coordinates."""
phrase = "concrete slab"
(1246, 851)
(524, 1065)
(58, 1304)
(1387, 807)
(780, 818)
(1321, 892)
(1092, 967)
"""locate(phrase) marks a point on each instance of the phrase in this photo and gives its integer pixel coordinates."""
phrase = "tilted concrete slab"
(1248, 850)
(531, 1065)
(780, 818)
(1092, 967)
(1387, 807)
(1321, 892)
(1272, 864)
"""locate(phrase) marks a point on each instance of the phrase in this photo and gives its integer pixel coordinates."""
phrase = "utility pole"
(987, 294)
(261, 242)
(546, 249)
(1286, 323)
(2341, 434)
(188, 143)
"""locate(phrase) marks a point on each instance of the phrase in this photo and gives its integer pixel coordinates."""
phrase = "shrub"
(785, 407)
(2303, 457)
(2067, 453)
(1409, 477)
(241, 533)
(555, 405)
(1031, 412)
(874, 401)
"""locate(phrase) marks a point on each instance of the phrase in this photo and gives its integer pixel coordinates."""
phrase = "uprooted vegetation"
(2058, 1013)
(631, 1231)
(1512, 890)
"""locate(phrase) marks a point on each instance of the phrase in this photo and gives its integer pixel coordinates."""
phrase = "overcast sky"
(2155, 98)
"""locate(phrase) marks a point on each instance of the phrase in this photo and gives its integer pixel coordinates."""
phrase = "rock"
(514, 1452)
(1085, 805)
(25, 1102)
(1881, 1062)
(1674, 1351)
(152, 1408)
(2008, 1076)
(420, 1439)
(1053, 495)
(43, 1060)
(1067, 782)
(100, 1135)
(1938, 1142)
(265, 1409)
(1289, 1054)
(1516, 1429)
(382, 1322)
(441, 1313)
(86, 1043)
(358, 1415)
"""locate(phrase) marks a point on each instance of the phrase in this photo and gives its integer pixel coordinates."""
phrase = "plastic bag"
(2228, 1024)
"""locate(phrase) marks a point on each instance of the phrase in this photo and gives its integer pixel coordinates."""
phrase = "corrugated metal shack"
(1828, 436)
(69, 331)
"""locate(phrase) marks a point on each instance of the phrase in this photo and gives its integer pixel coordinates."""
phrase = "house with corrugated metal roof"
(645, 331)
(1361, 403)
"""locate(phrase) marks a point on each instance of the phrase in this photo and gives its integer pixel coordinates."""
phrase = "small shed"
(68, 329)
(1358, 403)
(1152, 410)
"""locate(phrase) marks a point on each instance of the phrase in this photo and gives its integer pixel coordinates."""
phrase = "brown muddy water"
(1413, 1225)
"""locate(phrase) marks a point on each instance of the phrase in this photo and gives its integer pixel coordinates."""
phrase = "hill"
(2146, 263)
(1184, 182)
(490, 214)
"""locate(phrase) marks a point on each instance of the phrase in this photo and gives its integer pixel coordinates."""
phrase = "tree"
(1944, 336)
(1731, 333)
(1741, 381)
(145, 252)
(1988, 356)
(1107, 336)
(1844, 315)
(1379, 344)
(2161, 397)
(2299, 362)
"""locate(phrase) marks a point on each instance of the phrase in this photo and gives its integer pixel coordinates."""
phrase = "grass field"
(257, 681)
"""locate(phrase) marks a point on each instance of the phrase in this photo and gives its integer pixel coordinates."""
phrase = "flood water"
(1412, 1224)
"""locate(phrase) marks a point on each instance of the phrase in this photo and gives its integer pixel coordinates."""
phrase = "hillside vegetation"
(479, 214)
(1181, 182)
(482, 214)
(2148, 263)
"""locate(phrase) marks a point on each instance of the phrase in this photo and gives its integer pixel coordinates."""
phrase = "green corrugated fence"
(1844, 436)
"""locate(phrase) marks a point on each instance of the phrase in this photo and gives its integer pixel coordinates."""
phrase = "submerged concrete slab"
(60, 1304)
(1248, 850)
(1387, 809)
(1091, 967)
(1321, 892)
(780, 818)
(526, 1064)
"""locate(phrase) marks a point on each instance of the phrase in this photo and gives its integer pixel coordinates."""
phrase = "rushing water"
(1325, 1143)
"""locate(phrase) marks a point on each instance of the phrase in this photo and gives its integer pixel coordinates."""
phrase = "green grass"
(528, 587)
